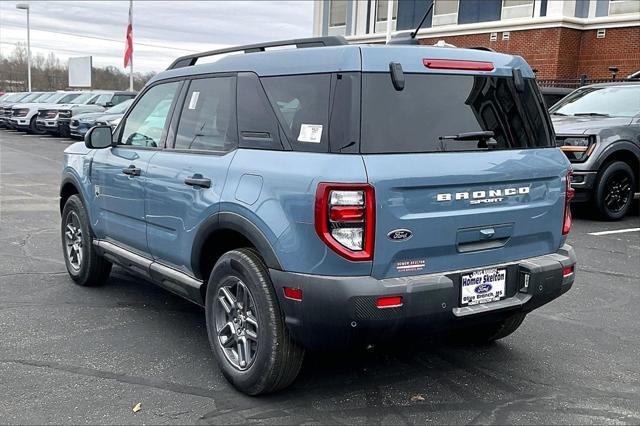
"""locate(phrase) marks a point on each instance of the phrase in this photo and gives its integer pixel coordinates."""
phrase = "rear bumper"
(338, 311)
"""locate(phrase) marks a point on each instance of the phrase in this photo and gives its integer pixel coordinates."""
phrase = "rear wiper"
(484, 138)
(470, 136)
(592, 114)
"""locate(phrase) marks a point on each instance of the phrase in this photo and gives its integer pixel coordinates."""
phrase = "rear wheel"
(249, 339)
(489, 332)
(85, 266)
(614, 191)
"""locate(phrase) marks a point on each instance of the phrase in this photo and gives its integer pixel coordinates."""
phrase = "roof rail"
(190, 60)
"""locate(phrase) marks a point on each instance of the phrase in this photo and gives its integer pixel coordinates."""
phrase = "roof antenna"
(415, 33)
(401, 37)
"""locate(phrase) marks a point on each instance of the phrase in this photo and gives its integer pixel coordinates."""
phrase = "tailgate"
(459, 210)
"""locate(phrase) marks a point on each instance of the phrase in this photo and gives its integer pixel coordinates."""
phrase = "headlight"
(577, 148)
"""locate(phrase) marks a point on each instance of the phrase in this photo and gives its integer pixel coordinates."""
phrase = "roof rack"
(190, 60)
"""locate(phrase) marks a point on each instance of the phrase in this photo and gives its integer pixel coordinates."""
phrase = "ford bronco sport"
(326, 195)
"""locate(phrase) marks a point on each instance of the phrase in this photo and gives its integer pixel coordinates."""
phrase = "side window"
(208, 119)
(146, 122)
(118, 99)
(257, 123)
(302, 102)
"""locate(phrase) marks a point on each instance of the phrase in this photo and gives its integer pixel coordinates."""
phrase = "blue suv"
(328, 195)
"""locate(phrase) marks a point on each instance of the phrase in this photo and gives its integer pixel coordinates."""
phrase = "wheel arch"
(69, 187)
(624, 151)
(223, 232)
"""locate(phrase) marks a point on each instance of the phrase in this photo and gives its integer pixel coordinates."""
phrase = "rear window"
(432, 106)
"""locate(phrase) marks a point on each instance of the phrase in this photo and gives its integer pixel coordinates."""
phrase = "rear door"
(446, 204)
(185, 181)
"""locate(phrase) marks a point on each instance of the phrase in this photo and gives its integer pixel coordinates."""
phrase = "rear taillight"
(345, 218)
(566, 224)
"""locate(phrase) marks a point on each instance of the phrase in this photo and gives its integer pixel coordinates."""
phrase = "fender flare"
(70, 178)
(237, 223)
(613, 147)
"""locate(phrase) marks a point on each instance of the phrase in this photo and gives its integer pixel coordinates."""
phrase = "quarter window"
(208, 119)
(146, 123)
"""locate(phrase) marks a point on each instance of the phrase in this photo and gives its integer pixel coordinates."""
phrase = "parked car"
(48, 118)
(99, 103)
(24, 116)
(598, 128)
(80, 123)
(317, 197)
(7, 104)
(552, 95)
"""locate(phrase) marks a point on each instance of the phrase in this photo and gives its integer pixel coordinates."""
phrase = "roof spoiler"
(190, 60)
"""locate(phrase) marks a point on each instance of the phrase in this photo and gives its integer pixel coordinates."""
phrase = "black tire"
(614, 190)
(277, 358)
(33, 127)
(90, 269)
(488, 333)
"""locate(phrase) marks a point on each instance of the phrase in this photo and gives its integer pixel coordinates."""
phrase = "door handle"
(131, 171)
(198, 181)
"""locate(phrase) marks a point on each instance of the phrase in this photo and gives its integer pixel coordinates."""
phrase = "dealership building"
(561, 39)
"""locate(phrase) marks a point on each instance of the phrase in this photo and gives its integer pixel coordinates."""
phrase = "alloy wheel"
(618, 192)
(237, 324)
(73, 241)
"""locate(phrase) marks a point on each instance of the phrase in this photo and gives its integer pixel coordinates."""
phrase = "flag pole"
(131, 59)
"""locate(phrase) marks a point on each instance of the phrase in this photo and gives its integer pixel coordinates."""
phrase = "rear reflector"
(293, 293)
(346, 214)
(567, 271)
(389, 302)
(455, 64)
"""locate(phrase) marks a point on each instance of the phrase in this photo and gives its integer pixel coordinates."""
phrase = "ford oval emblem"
(483, 288)
(399, 235)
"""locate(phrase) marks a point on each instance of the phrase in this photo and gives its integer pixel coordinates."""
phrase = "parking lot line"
(616, 231)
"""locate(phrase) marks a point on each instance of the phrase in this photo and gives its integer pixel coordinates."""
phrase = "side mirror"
(108, 104)
(98, 137)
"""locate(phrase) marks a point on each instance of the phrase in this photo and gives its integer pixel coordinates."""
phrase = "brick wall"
(563, 53)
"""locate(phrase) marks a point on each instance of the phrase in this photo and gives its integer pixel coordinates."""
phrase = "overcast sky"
(162, 30)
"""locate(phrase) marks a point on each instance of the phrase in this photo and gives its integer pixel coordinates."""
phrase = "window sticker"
(194, 100)
(311, 133)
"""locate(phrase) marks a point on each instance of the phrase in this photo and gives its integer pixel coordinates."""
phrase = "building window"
(381, 11)
(517, 9)
(337, 13)
(445, 12)
(617, 7)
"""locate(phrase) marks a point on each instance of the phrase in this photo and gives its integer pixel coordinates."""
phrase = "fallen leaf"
(417, 398)
(137, 407)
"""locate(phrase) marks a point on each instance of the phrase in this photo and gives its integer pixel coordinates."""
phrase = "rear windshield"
(432, 106)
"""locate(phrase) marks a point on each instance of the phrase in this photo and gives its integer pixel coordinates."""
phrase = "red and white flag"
(128, 53)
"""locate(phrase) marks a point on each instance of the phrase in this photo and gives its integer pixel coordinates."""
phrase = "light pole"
(25, 6)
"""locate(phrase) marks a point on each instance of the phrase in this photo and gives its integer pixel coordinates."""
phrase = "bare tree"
(49, 73)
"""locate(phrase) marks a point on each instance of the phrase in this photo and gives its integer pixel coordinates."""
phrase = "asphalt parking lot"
(88, 355)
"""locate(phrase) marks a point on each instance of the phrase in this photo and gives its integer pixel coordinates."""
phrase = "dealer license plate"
(484, 286)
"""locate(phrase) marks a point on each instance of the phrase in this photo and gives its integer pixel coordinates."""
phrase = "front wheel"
(249, 339)
(85, 266)
(33, 127)
(614, 191)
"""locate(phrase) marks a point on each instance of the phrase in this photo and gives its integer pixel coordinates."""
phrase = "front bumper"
(339, 311)
(20, 123)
